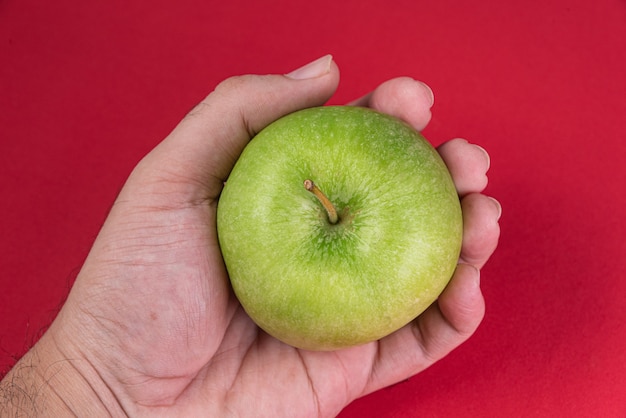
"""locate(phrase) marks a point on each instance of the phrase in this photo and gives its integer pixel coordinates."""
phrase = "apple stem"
(333, 218)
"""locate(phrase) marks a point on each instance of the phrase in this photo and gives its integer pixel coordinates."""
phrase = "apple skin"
(319, 286)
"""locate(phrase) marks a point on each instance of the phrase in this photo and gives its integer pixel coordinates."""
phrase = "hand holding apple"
(151, 325)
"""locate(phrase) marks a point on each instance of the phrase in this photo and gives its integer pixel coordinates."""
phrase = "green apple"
(338, 225)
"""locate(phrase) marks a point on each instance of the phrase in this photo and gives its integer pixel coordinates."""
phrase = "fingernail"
(314, 69)
(429, 92)
(487, 157)
(498, 207)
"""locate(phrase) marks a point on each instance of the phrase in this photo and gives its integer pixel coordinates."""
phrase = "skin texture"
(151, 327)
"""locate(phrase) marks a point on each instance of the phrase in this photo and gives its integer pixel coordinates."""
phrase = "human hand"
(151, 326)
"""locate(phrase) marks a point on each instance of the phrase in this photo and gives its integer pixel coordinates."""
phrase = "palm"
(200, 340)
(199, 337)
(255, 367)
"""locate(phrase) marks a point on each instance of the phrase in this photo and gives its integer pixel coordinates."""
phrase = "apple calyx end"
(333, 217)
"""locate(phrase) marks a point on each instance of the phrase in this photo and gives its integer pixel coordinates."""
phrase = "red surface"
(86, 88)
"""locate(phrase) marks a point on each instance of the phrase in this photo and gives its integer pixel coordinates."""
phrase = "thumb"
(203, 148)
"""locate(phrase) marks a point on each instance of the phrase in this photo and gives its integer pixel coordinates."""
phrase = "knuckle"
(232, 85)
(223, 92)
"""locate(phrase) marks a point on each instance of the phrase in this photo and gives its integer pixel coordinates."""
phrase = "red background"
(87, 88)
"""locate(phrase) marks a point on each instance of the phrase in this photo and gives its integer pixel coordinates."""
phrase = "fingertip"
(485, 154)
(468, 164)
(314, 69)
(481, 229)
(462, 303)
(406, 99)
(497, 206)
(428, 92)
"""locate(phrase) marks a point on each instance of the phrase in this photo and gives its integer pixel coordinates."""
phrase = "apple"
(338, 225)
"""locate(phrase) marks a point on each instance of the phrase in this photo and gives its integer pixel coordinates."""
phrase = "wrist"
(45, 382)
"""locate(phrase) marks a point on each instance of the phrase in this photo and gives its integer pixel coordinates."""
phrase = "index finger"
(403, 97)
